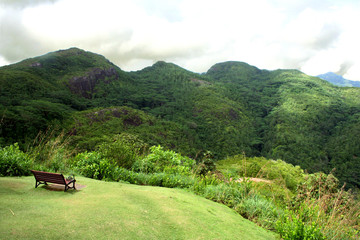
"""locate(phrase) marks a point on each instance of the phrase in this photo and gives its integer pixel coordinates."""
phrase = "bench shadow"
(61, 188)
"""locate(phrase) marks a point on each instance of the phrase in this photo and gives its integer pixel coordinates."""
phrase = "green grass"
(110, 210)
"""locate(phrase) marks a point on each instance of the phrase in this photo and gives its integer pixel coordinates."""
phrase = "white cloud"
(353, 71)
(3, 61)
(313, 36)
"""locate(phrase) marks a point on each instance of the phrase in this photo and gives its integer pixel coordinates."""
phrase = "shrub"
(177, 181)
(153, 179)
(123, 150)
(201, 182)
(156, 179)
(299, 225)
(14, 162)
(122, 174)
(160, 160)
(206, 165)
(316, 186)
(92, 165)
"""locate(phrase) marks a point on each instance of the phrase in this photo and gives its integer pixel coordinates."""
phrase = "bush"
(299, 225)
(123, 150)
(92, 165)
(122, 174)
(206, 165)
(202, 182)
(177, 181)
(14, 162)
(154, 179)
(160, 160)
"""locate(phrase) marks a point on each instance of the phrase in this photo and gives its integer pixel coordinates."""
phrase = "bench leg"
(67, 186)
(37, 183)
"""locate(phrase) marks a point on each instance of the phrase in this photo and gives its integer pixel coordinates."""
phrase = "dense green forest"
(234, 108)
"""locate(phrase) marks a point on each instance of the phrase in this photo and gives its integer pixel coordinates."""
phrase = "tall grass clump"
(323, 209)
(224, 193)
(240, 196)
(260, 210)
(51, 151)
(14, 162)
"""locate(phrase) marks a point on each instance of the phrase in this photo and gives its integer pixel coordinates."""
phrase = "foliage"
(160, 160)
(92, 165)
(335, 208)
(50, 151)
(259, 209)
(206, 164)
(91, 128)
(293, 226)
(260, 167)
(224, 193)
(123, 150)
(153, 179)
(14, 162)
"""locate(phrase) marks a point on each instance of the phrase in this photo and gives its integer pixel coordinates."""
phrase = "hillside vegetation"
(103, 210)
(233, 108)
(273, 194)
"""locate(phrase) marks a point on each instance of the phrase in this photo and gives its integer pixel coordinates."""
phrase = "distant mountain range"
(338, 80)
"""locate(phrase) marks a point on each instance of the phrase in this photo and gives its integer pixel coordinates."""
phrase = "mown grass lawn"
(110, 210)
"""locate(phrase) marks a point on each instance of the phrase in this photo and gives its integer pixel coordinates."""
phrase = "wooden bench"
(45, 177)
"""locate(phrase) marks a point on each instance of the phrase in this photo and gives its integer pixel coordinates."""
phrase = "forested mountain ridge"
(233, 108)
(37, 91)
(301, 119)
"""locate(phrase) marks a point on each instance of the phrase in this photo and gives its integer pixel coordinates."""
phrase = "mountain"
(233, 108)
(338, 80)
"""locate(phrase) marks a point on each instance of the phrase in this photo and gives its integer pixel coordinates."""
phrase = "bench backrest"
(49, 177)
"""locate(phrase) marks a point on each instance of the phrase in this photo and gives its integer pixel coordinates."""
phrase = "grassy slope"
(105, 210)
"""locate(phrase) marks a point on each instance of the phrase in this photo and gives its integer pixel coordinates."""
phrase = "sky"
(314, 36)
